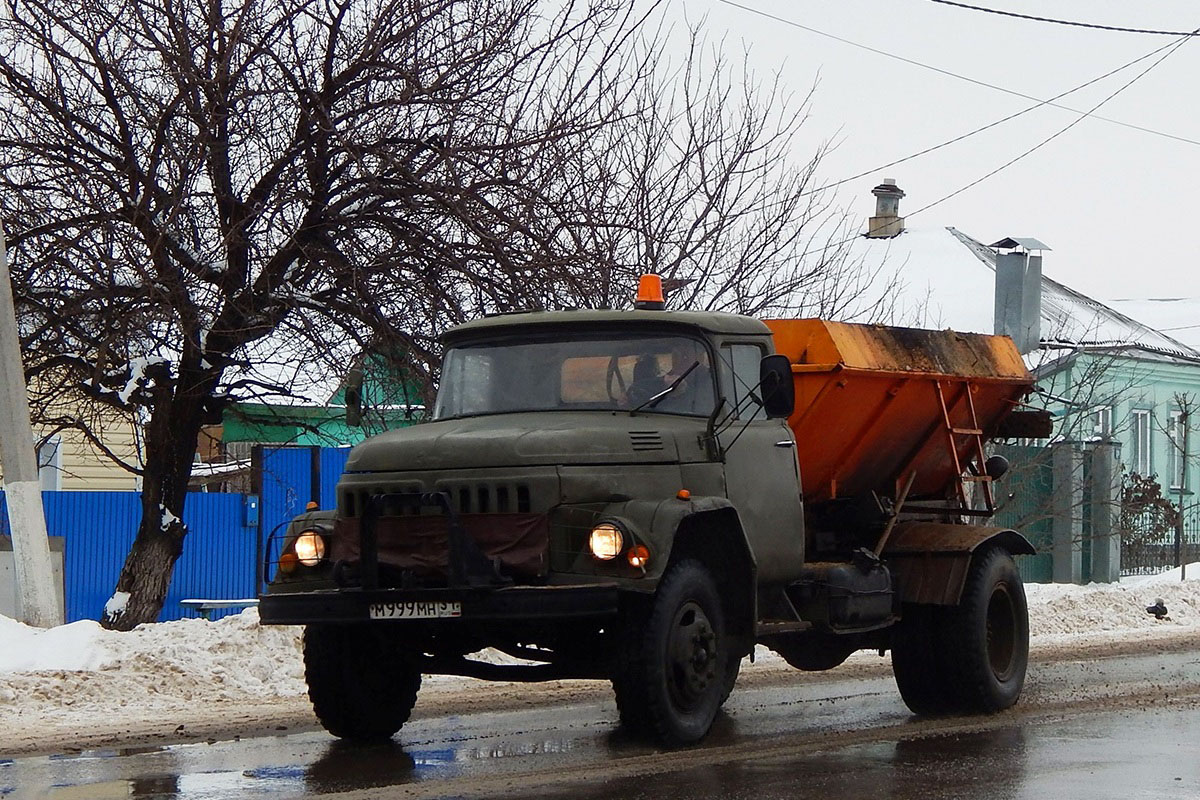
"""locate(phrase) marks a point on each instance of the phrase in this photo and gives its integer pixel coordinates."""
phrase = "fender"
(706, 528)
(669, 527)
(930, 559)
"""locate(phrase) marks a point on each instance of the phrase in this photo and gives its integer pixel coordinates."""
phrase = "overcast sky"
(1118, 206)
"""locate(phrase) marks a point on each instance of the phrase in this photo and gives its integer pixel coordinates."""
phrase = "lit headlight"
(310, 548)
(607, 541)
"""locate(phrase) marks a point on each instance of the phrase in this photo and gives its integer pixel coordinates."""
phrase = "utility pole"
(37, 600)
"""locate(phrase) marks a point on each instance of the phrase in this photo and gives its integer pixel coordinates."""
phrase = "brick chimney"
(887, 221)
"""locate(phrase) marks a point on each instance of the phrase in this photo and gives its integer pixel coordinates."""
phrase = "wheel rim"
(692, 656)
(1001, 632)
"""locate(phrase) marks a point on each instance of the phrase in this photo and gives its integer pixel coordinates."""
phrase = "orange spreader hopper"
(876, 404)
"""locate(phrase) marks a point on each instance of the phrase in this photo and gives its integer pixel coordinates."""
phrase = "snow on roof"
(205, 469)
(952, 277)
(1178, 317)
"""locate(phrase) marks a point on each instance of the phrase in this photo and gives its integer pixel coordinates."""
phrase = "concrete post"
(1067, 512)
(1106, 506)
(22, 489)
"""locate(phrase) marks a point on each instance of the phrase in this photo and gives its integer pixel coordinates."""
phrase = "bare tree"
(219, 200)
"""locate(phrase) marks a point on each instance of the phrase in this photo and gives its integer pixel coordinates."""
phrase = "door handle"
(785, 443)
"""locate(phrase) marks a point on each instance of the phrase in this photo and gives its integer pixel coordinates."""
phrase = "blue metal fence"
(98, 529)
(225, 541)
(290, 478)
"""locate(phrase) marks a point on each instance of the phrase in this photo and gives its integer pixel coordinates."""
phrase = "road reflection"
(345, 766)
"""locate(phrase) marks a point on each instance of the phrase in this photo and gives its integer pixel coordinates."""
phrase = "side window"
(739, 378)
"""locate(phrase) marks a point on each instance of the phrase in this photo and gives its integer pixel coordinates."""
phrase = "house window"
(1099, 423)
(49, 461)
(1176, 431)
(1140, 443)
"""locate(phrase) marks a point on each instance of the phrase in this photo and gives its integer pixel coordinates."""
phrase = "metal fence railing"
(1148, 547)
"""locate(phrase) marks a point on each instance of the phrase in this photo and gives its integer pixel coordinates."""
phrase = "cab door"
(762, 478)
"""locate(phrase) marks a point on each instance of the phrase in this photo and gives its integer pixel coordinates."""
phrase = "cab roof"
(700, 321)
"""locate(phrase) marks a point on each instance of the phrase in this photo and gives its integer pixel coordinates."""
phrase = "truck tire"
(919, 661)
(673, 674)
(733, 667)
(362, 688)
(628, 682)
(988, 632)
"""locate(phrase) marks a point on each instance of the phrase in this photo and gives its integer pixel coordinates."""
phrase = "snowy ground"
(79, 686)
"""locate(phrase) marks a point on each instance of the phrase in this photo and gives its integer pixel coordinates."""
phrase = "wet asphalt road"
(1126, 727)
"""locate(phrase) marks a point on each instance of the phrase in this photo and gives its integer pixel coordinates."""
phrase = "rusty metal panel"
(868, 412)
(930, 559)
(930, 578)
(886, 348)
(941, 537)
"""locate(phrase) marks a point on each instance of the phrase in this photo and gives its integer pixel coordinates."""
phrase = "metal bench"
(206, 607)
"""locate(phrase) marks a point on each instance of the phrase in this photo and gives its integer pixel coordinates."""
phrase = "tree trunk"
(171, 441)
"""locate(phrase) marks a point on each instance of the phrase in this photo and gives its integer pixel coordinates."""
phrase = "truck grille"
(466, 498)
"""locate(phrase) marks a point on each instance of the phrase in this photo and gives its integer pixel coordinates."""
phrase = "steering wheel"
(614, 370)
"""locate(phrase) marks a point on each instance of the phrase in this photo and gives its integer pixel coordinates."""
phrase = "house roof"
(951, 276)
(1179, 317)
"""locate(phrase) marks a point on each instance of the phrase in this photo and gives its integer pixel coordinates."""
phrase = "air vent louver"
(646, 440)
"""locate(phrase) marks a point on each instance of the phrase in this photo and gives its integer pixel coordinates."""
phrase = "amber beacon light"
(650, 294)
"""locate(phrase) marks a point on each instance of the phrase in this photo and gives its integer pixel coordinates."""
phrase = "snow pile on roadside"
(81, 668)
(1060, 609)
(189, 659)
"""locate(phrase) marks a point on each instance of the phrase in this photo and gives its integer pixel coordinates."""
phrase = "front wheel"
(361, 685)
(674, 673)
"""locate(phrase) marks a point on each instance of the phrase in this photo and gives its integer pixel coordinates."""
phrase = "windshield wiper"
(652, 401)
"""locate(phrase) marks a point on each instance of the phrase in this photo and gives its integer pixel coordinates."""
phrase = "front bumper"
(510, 603)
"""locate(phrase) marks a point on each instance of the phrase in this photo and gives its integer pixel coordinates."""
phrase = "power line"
(1072, 23)
(1175, 46)
(1002, 120)
(961, 77)
(1083, 115)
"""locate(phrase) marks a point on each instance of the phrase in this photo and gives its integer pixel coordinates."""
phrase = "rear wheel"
(361, 685)
(971, 657)
(989, 630)
(918, 661)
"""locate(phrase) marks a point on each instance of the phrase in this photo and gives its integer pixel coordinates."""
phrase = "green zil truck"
(643, 496)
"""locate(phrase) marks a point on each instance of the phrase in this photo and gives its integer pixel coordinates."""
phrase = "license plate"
(416, 610)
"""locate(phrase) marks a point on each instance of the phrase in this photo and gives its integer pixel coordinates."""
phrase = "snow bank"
(232, 656)
(1056, 608)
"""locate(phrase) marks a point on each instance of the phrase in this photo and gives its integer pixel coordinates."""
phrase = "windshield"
(571, 374)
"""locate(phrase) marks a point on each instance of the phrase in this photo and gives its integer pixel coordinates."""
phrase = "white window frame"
(1141, 457)
(1174, 442)
(1100, 421)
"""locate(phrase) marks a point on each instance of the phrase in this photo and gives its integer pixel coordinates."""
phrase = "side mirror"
(352, 391)
(778, 390)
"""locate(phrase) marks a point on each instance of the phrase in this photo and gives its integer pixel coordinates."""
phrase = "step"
(771, 627)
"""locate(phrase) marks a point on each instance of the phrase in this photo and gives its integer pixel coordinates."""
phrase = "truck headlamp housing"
(310, 548)
(607, 541)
